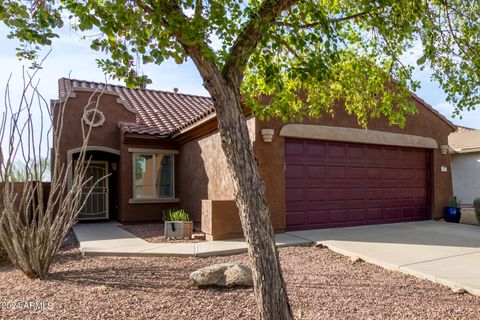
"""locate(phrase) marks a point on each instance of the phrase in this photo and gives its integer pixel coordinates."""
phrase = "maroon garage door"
(332, 184)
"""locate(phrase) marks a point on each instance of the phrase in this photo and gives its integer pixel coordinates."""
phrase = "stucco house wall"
(466, 177)
(203, 185)
(104, 136)
(465, 149)
(204, 173)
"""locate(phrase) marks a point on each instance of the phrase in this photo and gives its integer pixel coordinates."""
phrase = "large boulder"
(223, 275)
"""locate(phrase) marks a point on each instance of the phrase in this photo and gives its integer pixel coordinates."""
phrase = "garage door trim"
(330, 133)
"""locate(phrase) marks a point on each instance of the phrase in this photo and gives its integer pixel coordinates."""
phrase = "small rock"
(459, 291)
(321, 246)
(355, 259)
(100, 288)
(223, 275)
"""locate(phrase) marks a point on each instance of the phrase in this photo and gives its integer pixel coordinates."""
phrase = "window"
(153, 176)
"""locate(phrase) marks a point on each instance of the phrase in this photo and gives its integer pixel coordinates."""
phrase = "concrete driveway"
(445, 253)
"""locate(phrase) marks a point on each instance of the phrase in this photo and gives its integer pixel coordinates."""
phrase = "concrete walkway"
(442, 252)
(109, 239)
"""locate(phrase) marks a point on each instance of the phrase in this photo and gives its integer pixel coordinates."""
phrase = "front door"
(96, 205)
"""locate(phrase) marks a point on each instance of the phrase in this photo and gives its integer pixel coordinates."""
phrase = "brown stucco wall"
(220, 220)
(105, 135)
(271, 156)
(204, 175)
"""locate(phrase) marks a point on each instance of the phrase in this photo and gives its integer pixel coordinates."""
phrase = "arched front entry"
(101, 203)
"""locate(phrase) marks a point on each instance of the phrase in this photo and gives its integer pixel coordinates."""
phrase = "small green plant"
(476, 205)
(452, 202)
(175, 215)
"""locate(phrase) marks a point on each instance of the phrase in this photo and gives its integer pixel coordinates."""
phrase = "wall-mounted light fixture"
(113, 165)
(267, 135)
(444, 149)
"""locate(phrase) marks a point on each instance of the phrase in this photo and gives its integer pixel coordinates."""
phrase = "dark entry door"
(336, 184)
(96, 204)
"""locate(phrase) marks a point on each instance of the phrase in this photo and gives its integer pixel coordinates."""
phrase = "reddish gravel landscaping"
(154, 232)
(321, 285)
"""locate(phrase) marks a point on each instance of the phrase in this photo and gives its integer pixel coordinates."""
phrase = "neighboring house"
(163, 151)
(465, 148)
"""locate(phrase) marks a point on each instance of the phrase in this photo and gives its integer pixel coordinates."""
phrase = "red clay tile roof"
(126, 127)
(158, 112)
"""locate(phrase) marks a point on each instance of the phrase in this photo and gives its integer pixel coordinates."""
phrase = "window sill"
(154, 200)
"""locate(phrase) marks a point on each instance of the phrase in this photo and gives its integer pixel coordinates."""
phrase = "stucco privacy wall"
(466, 177)
(203, 172)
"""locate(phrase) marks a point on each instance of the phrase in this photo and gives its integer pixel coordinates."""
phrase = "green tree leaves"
(308, 58)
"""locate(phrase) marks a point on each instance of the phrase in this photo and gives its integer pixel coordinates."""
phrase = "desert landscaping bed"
(321, 285)
(154, 232)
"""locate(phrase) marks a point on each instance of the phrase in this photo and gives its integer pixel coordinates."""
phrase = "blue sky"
(72, 56)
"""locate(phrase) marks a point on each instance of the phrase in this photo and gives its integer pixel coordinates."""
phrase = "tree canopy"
(304, 54)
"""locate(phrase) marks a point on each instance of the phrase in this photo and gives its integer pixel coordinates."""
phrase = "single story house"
(162, 150)
(465, 152)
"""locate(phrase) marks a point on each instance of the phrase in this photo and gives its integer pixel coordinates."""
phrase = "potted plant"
(177, 224)
(452, 211)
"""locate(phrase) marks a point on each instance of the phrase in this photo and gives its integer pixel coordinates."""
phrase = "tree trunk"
(269, 285)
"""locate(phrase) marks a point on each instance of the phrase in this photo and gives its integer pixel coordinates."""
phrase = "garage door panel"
(356, 172)
(356, 153)
(317, 217)
(336, 172)
(336, 150)
(408, 212)
(391, 213)
(316, 171)
(337, 215)
(295, 172)
(296, 219)
(374, 213)
(294, 195)
(356, 214)
(336, 184)
(337, 194)
(316, 151)
(316, 194)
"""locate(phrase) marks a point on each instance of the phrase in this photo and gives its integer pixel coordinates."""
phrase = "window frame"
(153, 152)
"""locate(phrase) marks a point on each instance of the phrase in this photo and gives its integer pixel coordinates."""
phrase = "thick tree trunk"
(270, 289)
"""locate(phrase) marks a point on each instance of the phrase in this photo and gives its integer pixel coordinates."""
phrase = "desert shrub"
(175, 215)
(476, 204)
(452, 202)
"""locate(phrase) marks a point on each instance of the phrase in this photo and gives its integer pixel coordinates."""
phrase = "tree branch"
(170, 12)
(247, 40)
(314, 24)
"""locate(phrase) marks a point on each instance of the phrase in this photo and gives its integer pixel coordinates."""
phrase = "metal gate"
(96, 205)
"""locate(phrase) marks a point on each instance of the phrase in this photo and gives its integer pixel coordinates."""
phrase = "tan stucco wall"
(466, 177)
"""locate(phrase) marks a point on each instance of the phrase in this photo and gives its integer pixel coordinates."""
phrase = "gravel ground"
(321, 285)
(154, 232)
